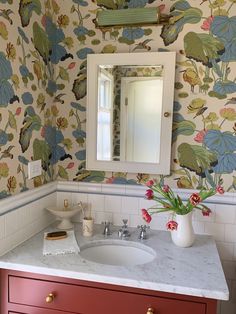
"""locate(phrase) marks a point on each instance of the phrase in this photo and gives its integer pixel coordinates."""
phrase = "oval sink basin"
(119, 253)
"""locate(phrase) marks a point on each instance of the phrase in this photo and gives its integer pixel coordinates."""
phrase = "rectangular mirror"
(129, 111)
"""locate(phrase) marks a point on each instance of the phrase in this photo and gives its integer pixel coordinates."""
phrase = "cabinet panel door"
(89, 300)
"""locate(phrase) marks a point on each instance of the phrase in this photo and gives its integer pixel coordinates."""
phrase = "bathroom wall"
(31, 46)
(43, 90)
(203, 149)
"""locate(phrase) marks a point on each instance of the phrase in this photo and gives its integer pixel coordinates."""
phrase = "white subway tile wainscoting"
(24, 215)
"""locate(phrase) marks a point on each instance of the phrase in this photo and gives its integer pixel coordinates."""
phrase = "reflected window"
(105, 115)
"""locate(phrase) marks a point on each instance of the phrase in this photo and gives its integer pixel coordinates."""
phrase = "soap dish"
(65, 215)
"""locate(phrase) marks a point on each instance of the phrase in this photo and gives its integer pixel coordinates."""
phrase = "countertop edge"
(224, 296)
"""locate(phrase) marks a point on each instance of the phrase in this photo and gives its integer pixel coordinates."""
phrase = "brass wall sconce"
(131, 17)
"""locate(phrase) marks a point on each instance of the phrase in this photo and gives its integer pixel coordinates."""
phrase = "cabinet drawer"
(89, 300)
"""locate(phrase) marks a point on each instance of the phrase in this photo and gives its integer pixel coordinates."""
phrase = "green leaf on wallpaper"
(62, 173)
(30, 123)
(26, 9)
(3, 31)
(80, 86)
(41, 151)
(196, 158)
(41, 42)
(182, 128)
(202, 47)
(95, 176)
(181, 13)
(12, 120)
(109, 49)
(63, 74)
(108, 4)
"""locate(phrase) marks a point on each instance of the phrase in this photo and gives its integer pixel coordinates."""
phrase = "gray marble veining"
(193, 271)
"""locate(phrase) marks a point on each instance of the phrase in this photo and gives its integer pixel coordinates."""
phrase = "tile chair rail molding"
(16, 201)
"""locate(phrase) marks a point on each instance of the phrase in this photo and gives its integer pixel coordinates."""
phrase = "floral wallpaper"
(43, 50)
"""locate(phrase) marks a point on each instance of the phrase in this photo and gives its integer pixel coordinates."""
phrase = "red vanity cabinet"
(27, 293)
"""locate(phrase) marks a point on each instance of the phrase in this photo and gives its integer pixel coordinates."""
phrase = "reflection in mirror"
(129, 111)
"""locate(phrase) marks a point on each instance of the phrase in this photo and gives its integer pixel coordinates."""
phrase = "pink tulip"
(150, 183)
(172, 225)
(149, 194)
(166, 188)
(220, 189)
(195, 199)
(146, 216)
(206, 212)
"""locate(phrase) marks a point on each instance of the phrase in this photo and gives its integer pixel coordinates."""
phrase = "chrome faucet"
(124, 232)
(107, 230)
(143, 232)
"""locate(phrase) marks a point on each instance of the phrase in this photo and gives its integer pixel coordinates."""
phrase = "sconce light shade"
(129, 17)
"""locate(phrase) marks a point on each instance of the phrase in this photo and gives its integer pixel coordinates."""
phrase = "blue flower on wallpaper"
(79, 134)
(3, 138)
(81, 30)
(81, 2)
(224, 27)
(55, 36)
(54, 137)
(133, 33)
(22, 34)
(177, 106)
(220, 142)
(5, 66)
(6, 90)
(81, 155)
(52, 87)
(77, 106)
(224, 87)
(24, 70)
(23, 160)
(27, 98)
(82, 53)
(224, 144)
(137, 3)
(226, 163)
(230, 51)
(6, 93)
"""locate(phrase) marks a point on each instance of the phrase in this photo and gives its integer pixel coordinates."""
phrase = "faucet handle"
(125, 222)
(143, 231)
(107, 230)
(143, 227)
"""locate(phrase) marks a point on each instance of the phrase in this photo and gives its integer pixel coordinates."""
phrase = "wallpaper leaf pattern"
(43, 75)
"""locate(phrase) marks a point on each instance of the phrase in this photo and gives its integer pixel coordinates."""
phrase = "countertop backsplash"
(114, 203)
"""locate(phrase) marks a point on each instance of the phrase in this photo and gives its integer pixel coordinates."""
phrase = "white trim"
(136, 190)
(13, 202)
(166, 59)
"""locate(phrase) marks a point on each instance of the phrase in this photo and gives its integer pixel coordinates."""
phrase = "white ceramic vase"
(184, 235)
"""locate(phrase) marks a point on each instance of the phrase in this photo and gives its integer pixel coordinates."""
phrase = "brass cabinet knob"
(50, 298)
(150, 310)
(166, 114)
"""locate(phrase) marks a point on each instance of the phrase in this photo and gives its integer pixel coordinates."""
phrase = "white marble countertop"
(195, 271)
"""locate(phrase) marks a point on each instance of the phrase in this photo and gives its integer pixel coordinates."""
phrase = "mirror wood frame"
(167, 60)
